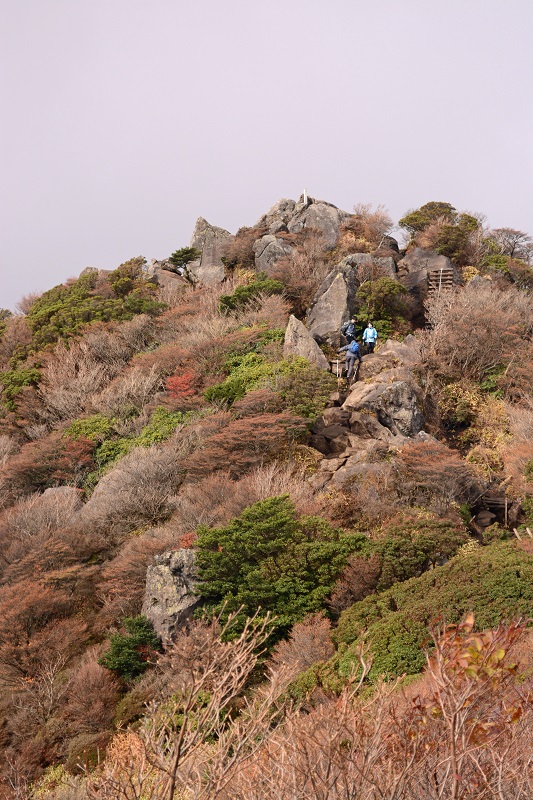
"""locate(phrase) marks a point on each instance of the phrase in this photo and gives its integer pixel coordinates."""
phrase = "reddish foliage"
(92, 695)
(260, 401)
(247, 442)
(48, 462)
(28, 626)
(187, 540)
(183, 385)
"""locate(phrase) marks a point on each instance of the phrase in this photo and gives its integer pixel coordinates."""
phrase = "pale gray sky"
(125, 120)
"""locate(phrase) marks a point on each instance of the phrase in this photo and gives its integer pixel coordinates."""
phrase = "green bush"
(305, 389)
(96, 428)
(272, 559)
(414, 544)
(244, 294)
(130, 653)
(161, 426)
(494, 582)
(13, 381)
(415, 221)
(381, 301)
(246, 373)
(184, 256)
(62, 311)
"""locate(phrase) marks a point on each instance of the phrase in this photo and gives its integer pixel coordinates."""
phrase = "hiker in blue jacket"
(370, 336)
(352, 353)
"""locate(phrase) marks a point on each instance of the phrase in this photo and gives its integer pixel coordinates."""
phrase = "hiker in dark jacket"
(348, 330)
(352, 353)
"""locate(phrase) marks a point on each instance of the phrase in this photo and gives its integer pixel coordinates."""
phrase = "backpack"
(354, 347)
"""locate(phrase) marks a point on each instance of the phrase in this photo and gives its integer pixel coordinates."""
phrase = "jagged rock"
(323, 217)
(356, 468)
(299, 342)
(335, 416)
(390, 243)
(269, 249)
(169, 597)
(334, 302)
(394, 361)
(276, 219)
(366, 426)
(406, 352)
(396, 405)
(212, 242)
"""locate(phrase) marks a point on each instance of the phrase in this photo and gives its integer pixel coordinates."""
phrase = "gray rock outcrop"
(269, 249)
(169, 598)
(322, 217)
(287, 215)
(422, 258)
(334, 302)
(417, 270)
(397, 405)
(277, 218)
(211, 241)
(299, 342)
(163, 273)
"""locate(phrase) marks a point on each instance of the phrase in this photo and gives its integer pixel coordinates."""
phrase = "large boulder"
(269, 249)
(212, 242)
(170, 595)
(422, 258)
(163, 273)
(320, 216)
(277, 218)
(420, 268)
(299, 342)
(334, 301)
(396, 405)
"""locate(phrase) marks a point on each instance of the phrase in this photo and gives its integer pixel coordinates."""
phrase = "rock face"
(169, 598)
(323, 217)
(299, 342)
(421, 258)
(212, 241)
(278, 217)
(396, 405)
(334, 301)
(268, 249)
(286, 215)
(388, 389)
(164, 274)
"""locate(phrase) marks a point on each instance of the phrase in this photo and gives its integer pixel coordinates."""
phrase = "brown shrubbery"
(477, 330)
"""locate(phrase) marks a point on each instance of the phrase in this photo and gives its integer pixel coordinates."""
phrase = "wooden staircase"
(440, 279)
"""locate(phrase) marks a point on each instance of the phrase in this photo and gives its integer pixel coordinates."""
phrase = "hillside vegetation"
(364, 554)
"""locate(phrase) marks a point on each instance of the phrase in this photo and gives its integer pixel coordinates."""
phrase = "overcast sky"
(125, 120)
